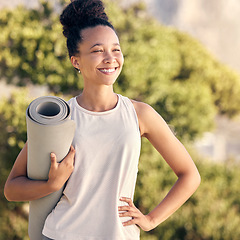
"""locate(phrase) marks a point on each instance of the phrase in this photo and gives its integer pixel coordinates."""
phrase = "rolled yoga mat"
(49, 129)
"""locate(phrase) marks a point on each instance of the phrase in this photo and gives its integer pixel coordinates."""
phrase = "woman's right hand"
(60, 172)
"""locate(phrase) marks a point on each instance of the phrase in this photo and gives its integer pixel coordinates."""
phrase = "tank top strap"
(129, 107)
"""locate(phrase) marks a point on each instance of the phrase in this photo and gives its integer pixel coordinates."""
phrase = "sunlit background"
(185, 63)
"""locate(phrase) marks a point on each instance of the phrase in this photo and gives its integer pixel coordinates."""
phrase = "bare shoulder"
(141, 107)
(148, 118)
(156, 130)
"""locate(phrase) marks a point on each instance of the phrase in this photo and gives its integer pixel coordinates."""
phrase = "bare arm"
(19, 187)
(154, 128)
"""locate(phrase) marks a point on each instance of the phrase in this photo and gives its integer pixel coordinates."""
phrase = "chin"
(109, 81)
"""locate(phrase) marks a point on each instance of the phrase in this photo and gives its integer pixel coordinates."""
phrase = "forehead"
(100, 35)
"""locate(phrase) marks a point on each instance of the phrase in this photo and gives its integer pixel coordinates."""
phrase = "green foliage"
(33, 49)
(174, 73)
(13, 124)
(13, 136)
(199, 66)
(13, 224)
(163, 67)
(212, 213)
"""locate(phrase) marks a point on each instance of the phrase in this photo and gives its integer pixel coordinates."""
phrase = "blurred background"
(181, 57)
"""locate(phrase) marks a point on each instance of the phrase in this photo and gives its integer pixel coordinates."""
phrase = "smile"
(107, 70)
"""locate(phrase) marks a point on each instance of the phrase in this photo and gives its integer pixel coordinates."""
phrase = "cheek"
(121, 59)
(90, 63)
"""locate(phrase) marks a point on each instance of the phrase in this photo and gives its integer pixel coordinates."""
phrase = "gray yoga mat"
(49, 129)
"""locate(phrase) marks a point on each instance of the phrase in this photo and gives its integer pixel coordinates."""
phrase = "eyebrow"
(100, 44)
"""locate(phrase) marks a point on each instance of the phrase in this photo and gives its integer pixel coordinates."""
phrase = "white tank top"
(106, 164)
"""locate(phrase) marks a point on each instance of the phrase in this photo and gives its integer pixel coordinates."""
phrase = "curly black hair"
(78, 15)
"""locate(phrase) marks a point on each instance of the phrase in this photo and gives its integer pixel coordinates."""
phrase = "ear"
(74, 61)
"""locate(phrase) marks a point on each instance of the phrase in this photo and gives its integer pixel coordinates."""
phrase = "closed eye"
(97, 51)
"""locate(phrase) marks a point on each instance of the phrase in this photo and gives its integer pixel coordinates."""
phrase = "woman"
(101, 167)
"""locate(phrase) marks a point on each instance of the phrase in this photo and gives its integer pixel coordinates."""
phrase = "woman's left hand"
(143, 221)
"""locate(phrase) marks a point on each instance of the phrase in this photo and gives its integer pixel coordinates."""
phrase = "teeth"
(109, 70)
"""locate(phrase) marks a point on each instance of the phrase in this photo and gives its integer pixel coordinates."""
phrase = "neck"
(98, 100)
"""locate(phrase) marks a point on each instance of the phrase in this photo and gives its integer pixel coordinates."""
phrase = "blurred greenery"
(212, 213)
(164, 67)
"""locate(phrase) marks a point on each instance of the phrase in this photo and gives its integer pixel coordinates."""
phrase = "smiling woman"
(97, 202)
(99, 63)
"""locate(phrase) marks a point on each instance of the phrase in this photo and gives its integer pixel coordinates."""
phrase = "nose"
(109, 58)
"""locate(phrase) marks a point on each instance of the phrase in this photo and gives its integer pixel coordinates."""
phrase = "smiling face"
(100, 59)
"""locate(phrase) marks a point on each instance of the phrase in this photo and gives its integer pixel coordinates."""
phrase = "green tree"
(12, 138)
(163, 67)
(33, 49)
(212, 213)
(174, 73)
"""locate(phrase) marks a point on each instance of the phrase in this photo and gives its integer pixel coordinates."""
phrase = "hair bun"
(79, 12)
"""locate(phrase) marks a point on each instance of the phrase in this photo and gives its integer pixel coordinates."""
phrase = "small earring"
(79, 71)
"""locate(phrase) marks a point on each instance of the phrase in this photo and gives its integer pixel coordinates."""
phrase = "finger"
(71, 153)
(72, 149)
(130, 222)
(124, 208)
(69, 159)
(129, 214)
(53, 159)
(128, 201)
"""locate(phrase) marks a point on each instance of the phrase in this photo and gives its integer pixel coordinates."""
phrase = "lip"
(108, 71)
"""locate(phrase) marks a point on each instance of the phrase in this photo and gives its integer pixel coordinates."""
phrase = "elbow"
(195, 180)
(198, 180)
(10, 198)
(191, 180)
(7, 193)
